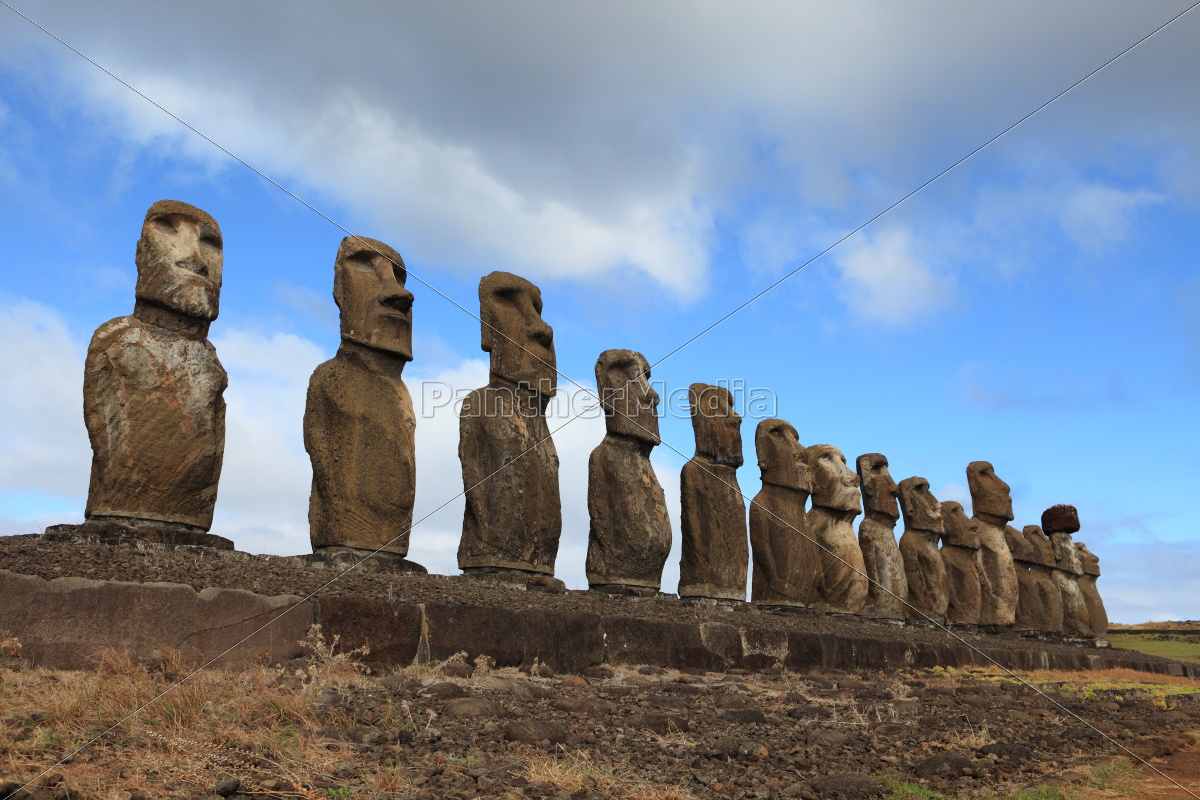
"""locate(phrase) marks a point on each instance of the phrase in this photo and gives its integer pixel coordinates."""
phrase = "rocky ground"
(328, 727)
(459, 731)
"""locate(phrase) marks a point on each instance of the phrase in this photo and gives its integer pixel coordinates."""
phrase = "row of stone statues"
(155, 416)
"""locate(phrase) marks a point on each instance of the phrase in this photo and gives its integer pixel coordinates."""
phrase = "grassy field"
(1179, 640)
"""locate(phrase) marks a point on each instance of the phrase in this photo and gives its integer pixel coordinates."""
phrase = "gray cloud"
(571, 139)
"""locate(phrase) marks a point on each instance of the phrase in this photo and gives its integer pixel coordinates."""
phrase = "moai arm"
(101, 388)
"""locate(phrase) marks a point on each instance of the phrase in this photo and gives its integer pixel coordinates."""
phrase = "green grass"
(1168, 648)
(903, 790)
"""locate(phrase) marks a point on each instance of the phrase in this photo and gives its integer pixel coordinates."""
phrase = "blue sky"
(651, 168)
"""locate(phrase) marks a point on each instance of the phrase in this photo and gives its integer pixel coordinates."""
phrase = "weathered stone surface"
(1097, 616)
(715, 542)
(568, 641)
(391, 631)
(1042, 579)
(992, 507)
(152, 385)
(786, 561)
(1076, 615)
(513, 516)
(928, 582)
(67, 622)
(1029, 613)
(877, 539)
(964, 566)
(359, 423)
(630, 534)
(830, 521)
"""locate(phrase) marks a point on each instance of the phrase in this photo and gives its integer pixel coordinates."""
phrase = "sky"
(651, 166)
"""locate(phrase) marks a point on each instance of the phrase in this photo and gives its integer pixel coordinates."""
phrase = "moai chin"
(965, 579)
(1097, 616)
(928, 581)
(992, 508)
(1041, 574)
(1059, 522)
(630, 534)
(359, 423)
(877, 537)
(152, 390)
(1029, 615)
(513, 517)
(715, 547)
(786, 561)
(830, 521)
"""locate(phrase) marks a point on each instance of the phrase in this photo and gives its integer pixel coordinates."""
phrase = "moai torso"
(888, 588)
(1028, 617)
(513, 516)
(630, 534)
(965, 581)
(928, 583)
(1041, 571)
(715, 547)
(359, 424)
(1090, 564)
(786, 562)
(152, 388)
(992, 509)
(830, 521)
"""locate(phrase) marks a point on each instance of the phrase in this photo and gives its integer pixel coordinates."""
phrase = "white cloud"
(43, 442)
(886, 280)
(1096, 217)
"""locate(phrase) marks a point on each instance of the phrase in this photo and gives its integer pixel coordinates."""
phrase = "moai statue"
(1028, 619)
(630, 535)
(359, 423)
(152, 390)
(830, 521)
(787, 565)
(888, 590)
(965, 579)
(1041, 571)
(1060, 522)
(714, 537)
(928, 583)
(513, 517)
(992, 507)
(1091, 595)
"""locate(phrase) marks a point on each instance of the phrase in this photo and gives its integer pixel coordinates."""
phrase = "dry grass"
(573, 771)
(214, 724)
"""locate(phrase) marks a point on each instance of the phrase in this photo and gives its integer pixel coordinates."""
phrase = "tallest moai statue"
(991, 505)
(359, 424)
(513, 516)
(152, 390)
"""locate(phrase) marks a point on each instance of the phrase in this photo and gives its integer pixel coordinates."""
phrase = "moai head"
(1061, 518)
(630, 404)
(961, 530)
(1060, 522)
(1087, 560)
(520, 342)
(834, 485)
(1039, 543)
(781, 456)
(989, 495)
(878, 489)
(1020, 549)
(179, 260)
(717, 426)
(368, 287)
(922, 511)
